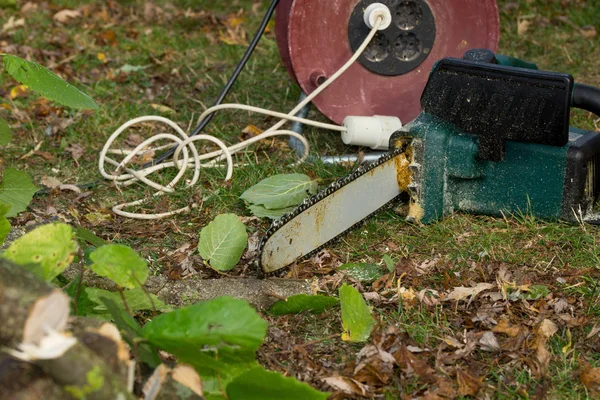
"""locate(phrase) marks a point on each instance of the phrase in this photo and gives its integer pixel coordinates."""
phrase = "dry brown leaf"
(162, 108)
(252, 130)
(595, 330)
(50, 182)
(461, 292)
(505, 327)
(108, 37)
(426, 266)
(544, 331)
(468, 385)
(453, 342)
(411, 365)
(29, 7)
(588, 32)
(188, 377)
(590, 377)
(64, 16)
(346, 385)
(375, 366)
(76, 151)
(13, 23)
(408, 295)
(523, 26)
(234, 33)
(547, 328)
(488, 342)
(133, 140)
(19, 91)
(429, 297)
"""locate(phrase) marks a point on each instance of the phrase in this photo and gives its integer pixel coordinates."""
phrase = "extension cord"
(125, 176)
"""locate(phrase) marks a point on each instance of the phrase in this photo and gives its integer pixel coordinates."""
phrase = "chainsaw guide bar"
(315, 224)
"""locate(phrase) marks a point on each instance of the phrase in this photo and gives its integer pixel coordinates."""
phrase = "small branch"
(79, 281)
(125, 301)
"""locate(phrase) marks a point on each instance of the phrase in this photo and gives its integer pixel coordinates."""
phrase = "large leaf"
(5, 134)
(356, 315)
(4, 224)
(45, 82)
(47, 250)
(363, 272)
(222, 242)
(260, 384)
(262, 212)
(137, 300)
(280, 191)
(17, 190)
(303, 302)
(88, 236)
(215, 336)
(120, 264)
(132, 333)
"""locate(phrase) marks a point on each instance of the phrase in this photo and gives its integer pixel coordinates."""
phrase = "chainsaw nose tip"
(377, 10)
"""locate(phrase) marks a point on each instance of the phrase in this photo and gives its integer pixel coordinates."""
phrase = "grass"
(186, 66)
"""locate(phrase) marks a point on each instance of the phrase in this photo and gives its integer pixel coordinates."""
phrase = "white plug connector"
(373, 132)
(375, 10)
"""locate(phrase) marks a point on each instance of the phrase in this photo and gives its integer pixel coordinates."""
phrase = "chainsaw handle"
(587, 98)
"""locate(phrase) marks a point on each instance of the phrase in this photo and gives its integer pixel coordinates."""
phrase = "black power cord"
(587, 98)
(228, 85)
(224, 92)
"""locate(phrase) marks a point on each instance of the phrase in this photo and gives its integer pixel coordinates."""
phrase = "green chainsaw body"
(534, 162)
(531, 179)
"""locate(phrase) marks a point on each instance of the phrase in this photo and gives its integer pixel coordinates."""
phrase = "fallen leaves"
(66, 15)
(545, 330)
(13, 23)
(468, 385)
(504, 326)
(461, 293)
(234, 33)
(590, 377)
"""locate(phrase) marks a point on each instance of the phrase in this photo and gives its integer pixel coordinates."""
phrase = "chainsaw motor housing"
(495, 139)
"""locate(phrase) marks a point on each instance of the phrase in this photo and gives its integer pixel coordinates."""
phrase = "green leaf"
(220, 335)
(260, 384)
(356, 315)
(132, 333)
(261, 212)
(46, 251)
(43, 81)
(222, 242)
(84, 304)
(17, 190)
(389, 263)
(303, 302)
(5, 134)
(280, 191)
(127, 68)
(8, 3)
(536, 292)
(137, 300)
(120, 264)
(88, 236)
(4, 224)
(363, 272)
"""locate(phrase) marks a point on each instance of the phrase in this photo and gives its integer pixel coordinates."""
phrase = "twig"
(79, 281)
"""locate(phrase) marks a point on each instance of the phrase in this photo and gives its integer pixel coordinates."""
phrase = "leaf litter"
(487, 324)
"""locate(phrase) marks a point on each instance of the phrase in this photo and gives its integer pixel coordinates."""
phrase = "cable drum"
(314, 37)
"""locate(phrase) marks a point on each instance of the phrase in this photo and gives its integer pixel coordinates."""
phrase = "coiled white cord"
(122, 175)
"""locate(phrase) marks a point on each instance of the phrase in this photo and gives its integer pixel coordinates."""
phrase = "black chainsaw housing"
(499, 103)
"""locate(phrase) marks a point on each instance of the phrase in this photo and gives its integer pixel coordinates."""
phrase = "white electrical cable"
(122, 175)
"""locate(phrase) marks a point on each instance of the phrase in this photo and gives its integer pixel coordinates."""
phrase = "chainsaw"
(493, 138)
